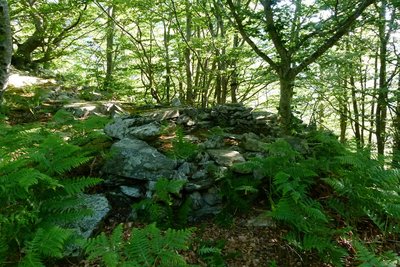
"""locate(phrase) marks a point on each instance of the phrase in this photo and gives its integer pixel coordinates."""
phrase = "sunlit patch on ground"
(18, 80)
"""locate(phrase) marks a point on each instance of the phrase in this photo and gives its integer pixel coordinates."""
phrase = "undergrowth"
(327, 196)
(145, 247)
(38, 197)
(162, 207)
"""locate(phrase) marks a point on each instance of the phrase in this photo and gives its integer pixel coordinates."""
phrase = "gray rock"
(298, 144)
(198, 185)
(251, 142)
(212, 197)
(100, 207)
(132, 158)
(131, 191)
(262, 220)
(185, 168)
(200, 174)
(213, 142)
(119, 128)
(197, 200)
(161, 115)
(145, 132)
(175, 102)
(226, 157)
(205, 211)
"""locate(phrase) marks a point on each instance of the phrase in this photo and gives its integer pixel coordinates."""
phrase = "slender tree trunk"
(381, 106)
(110, 47)
(343, 110)
(167, 36)
(396, 126)
(356, 112)
(372, 115)
(5, 46)
(188, 61)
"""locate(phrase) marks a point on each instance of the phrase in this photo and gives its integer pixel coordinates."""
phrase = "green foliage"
(37, 197)
(211, 253)
(238, 193)
(182, 149)
(359, 188)
(163, 208)
(367, 258)
(369, 190)
(145, 247)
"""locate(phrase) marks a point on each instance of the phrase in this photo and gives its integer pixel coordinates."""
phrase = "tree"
(43, 28)
(5, 46)
(297, 39)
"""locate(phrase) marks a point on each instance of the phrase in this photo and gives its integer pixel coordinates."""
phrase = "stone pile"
(137, 159)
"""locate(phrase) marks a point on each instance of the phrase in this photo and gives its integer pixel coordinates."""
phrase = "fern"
(161, 207)
(165, 188)
(37, 199)
(77, 185)
(146, 247)
(107, 249)
(211, 253)
(367, 258)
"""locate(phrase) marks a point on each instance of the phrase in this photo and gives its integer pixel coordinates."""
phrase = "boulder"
(131, 191)
(120, 127)
(226, 157)
(100, 207)
(145, 132)
(251, 142)
(133, 158)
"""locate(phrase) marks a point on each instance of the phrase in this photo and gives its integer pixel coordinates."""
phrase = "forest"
(199, 133)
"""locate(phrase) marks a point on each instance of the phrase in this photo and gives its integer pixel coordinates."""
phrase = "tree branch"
(342, 30)
(240, 28)
(272, 31)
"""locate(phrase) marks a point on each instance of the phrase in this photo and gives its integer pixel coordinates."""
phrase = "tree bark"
(188, 61)
(5, 46)
(356, 120)
(381, 106)
(110, 47)
(396, 126)
(286, 82)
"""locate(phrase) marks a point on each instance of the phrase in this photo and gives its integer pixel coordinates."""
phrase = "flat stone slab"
(133, 158)
(226, 157)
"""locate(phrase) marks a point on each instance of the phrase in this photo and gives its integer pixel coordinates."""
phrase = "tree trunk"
(356, 112)
(343, 110)
(396, 127)
(234, 82)
(286, 82)
(5, 46)
(188, 61)
(110, 47)
(381, 107)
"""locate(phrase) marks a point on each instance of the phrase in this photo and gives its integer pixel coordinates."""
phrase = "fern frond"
(164, 187)
(177, 239)
(31, 259)
(49, 242)
(168, 258)
(204, 250)
(55, 156)
(78, 185)
(367, 258)
(139, 246)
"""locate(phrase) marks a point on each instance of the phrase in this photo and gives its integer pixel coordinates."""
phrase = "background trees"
(332, 63)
